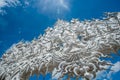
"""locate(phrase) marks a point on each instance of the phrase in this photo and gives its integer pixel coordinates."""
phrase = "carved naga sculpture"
(73, 48)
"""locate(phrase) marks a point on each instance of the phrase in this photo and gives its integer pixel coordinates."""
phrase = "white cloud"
(2, 12)
(13, 2)
(108, 75)
(54, 6)
(45, 6)
(101, 75)
(27, 3)
(2, 3)
(115, 68)
(7, 3)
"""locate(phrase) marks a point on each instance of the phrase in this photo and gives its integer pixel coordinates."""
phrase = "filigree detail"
(72, 48)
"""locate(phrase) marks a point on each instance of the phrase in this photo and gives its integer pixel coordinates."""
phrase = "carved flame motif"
(72, 48)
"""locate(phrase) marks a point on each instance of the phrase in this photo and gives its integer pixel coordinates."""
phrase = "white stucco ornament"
(73, 48)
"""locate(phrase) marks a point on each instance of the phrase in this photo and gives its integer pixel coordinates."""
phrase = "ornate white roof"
(72, 48)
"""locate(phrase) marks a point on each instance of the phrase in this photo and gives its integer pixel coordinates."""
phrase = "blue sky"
(26, 19)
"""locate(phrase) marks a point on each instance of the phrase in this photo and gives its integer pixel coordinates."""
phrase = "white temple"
(72, 48)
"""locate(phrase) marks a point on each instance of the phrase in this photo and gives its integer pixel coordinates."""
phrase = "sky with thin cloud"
(26, 19)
